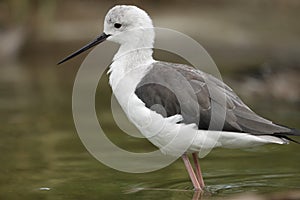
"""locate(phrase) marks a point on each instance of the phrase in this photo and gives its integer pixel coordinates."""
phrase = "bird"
(172, 104)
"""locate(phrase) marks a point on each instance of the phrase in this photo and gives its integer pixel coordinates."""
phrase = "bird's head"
(124, 24)
(127, 24)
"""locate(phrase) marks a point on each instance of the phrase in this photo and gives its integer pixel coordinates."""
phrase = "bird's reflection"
(177, 193)
(197, 195)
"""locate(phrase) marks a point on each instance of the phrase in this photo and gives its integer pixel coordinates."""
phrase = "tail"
(285, 135)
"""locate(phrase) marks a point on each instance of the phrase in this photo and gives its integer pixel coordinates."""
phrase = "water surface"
(42, 156)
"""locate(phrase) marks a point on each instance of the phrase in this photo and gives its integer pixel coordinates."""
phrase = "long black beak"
(93, 43)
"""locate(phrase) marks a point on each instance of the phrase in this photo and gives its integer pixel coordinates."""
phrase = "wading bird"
(177, 98)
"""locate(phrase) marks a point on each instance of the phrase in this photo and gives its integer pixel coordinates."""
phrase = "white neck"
(128, 60)
(128, 53)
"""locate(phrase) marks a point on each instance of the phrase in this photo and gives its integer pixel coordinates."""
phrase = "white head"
(129, 26)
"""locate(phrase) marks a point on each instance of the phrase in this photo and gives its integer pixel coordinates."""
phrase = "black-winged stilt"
(147, 88)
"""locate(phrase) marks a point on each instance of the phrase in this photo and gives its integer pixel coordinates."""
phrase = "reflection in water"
(234, 183)
(178, 193)
(42, 156)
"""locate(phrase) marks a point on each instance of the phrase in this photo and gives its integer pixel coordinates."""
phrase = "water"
(43, 158)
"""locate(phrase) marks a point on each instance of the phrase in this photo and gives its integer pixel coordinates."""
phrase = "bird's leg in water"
(198, 170)
(191, 172)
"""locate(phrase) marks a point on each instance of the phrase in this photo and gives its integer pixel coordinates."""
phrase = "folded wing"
(171, 89)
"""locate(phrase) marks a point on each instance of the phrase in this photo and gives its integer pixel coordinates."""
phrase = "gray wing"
(171, 89)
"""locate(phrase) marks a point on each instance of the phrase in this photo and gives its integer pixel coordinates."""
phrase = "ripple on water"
(251, 183)
(221, 185)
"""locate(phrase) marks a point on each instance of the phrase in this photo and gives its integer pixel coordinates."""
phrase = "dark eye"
(117, 25)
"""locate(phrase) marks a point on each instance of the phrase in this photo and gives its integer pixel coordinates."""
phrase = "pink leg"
(198, 170)
(191, 172)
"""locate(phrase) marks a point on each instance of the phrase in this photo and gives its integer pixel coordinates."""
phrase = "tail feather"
(295, 132)
(285, 135)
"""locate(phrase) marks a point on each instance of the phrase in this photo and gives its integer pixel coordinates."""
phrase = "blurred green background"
(256, 45)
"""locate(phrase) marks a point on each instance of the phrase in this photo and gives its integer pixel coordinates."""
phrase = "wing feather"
(164, 85)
